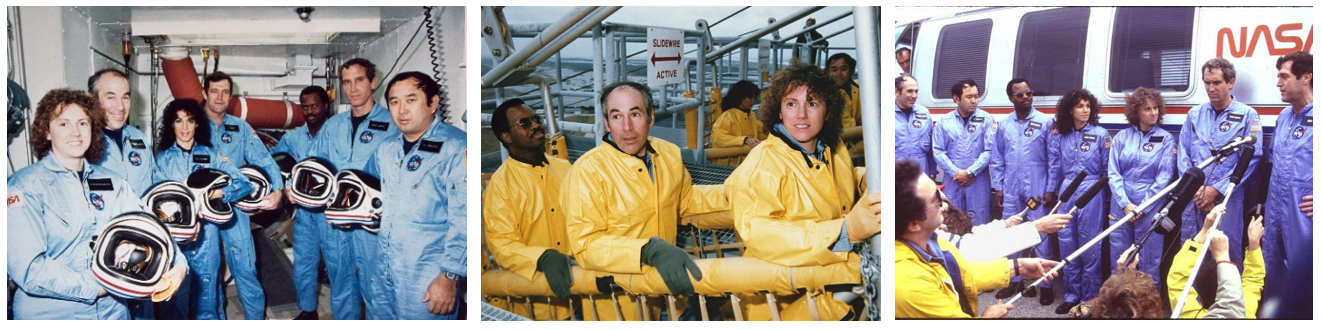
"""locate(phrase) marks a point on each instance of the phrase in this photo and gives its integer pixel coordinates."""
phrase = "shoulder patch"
(1255, 125)
(1108, 142)
(1054, 131)
(15, 199)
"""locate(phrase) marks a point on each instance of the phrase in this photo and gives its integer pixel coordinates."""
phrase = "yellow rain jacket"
(733, 126)
(1255, 273)
(522, 218)
(789, 209)
(853, 107)
(613, 206)
(924, 289)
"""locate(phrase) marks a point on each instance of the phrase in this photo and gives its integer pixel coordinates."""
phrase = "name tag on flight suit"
(1156, 139)
(377, 125)
(137, 144)
(103, 184)
(1235, 118)
(231, 128)
(202, 159)
(430, 146)
(1089, 138)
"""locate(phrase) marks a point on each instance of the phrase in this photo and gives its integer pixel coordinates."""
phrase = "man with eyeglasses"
(932, 279)
(1019, 168)
(521, 214)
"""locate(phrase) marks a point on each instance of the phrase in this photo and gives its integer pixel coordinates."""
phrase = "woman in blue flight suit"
(55, 208)
(183, 145)
(1142, 162)
(1078, 144)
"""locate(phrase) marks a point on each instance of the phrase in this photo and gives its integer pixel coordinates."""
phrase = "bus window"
(1050, 49)
(1151, 47)
(961, 53)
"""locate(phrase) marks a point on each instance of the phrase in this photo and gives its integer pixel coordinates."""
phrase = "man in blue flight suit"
(1289, 210)
(348, 140)
(1210, 126)
(128, 151)
(236, 143)
(315, 104)
(913, 126)
(1019, 167)
(962, 146)
(424, 230)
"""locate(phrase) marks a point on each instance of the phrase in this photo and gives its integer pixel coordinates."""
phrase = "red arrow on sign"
(664, 59)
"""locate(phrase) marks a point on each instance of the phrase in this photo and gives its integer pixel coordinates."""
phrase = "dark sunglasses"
(1024, 94)
(527, 122)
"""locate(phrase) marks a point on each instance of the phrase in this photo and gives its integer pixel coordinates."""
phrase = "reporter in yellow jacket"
(932, 279)
(792, 196)
(738, 128)
(623, 198)
(521, 215)
(1252, 281)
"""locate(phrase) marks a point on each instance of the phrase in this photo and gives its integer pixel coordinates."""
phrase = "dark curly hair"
(741, 90)
(820, 87)
(1065, 108)
(52, 105)
(165, 132)
(909, 207)
(1128, 295)
(1135, 102)
(957, 221)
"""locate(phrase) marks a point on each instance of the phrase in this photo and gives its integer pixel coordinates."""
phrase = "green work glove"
(555, 266)
(671, 262)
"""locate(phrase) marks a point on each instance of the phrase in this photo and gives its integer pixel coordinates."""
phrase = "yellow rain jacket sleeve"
(612, 205)
(789, 209)
(925, 290)
(522, 216)
(1255, 273)
(733, 126)
(853, 107)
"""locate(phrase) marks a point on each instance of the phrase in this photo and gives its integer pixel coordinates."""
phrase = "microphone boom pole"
(1245, 155)
(1216, 158)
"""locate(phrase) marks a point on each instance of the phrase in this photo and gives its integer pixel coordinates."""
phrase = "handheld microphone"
(1069, 191)
(1088, 195)
(1179, 198)
(1033, 203)
(1245, 155)
(1247, 140)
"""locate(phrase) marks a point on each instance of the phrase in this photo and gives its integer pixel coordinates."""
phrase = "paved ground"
(1026, 308)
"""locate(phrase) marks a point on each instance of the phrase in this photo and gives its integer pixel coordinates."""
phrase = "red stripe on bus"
(1174, 110)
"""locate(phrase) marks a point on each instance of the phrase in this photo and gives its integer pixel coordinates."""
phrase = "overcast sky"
(684, 18)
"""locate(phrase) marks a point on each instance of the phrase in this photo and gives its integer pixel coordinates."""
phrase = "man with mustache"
(315, 104)
(523, 221)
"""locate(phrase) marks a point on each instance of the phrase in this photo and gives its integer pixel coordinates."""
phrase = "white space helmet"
(174, 205)
(261, 187)
(313, 182)
(357, 199)
(214, 210)
(131, 255)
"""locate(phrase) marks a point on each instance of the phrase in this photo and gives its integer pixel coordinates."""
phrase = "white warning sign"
(665, 48)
